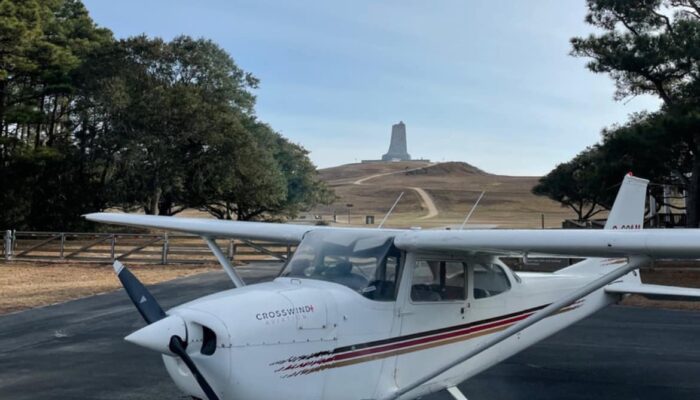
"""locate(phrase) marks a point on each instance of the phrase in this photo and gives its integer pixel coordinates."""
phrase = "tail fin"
(627, 213)
(628, 210)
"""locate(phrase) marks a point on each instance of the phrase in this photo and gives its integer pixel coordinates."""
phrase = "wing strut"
(456, 393)
(225, 263)
(633, 263)
(381, 224)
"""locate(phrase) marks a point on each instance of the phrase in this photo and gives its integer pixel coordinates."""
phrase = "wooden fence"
(140, 248)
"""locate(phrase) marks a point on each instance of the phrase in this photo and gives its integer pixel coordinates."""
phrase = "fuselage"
(314, 339)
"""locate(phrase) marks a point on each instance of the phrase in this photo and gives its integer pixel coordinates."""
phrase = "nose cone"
(156, 336)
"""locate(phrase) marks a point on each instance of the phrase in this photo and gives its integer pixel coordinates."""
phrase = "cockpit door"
(435, 302)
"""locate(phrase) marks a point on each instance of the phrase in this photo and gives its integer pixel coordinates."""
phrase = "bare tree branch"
(667, 21)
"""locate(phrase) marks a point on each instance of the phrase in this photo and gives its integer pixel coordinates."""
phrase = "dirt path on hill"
(362, 181)
(427, 201)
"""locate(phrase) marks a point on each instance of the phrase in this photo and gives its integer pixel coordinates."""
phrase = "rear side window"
(489, 280)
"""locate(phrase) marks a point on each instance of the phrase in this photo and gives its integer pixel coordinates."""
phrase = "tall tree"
(647, 145)
(260, 174)
(239, 180)
(304, 188)
(43, 46)
(89, 123)
(652, 47)
(165, 108)
(575, 184)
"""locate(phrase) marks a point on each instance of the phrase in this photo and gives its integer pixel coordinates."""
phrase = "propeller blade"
(177, 346)
(143, 300)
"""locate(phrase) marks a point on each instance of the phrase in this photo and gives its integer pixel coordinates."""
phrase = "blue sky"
(489, 83)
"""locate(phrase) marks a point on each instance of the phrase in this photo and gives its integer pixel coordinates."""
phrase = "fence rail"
(141, 248)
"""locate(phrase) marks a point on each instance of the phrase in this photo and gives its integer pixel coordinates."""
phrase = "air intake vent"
(208, 341)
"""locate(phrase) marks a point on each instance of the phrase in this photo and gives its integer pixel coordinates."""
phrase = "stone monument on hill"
(397, 148)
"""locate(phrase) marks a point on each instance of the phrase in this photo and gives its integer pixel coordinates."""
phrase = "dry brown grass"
(27, 285)
(350, 172)
(453, 186)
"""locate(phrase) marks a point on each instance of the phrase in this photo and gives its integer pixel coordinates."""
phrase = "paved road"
(75, 351)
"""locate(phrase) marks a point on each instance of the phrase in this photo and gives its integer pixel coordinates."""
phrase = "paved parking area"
(75, 350)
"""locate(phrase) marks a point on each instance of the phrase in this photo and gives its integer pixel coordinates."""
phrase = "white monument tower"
(397, 149)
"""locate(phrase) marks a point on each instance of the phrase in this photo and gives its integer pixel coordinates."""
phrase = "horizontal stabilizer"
(655, 292)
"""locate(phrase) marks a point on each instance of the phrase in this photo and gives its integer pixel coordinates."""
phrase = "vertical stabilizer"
(628, 210)
(627, 213)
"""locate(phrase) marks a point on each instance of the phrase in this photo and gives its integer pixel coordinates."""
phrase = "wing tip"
(93, 216)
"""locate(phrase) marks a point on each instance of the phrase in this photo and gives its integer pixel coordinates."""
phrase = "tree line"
(647, 47)
(90, 123)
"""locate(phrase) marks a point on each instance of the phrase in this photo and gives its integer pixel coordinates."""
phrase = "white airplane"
(391, 314)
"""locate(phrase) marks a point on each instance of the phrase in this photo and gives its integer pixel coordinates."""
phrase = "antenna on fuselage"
(390, 210)
(476, 203)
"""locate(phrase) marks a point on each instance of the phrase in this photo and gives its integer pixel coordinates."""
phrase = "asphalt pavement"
(75, 350)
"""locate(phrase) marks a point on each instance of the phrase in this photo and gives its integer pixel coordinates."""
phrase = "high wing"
(653, 243)
(209, 227)
(268, 231)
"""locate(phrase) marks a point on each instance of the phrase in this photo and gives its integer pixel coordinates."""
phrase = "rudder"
(628, 209)
(626, 213)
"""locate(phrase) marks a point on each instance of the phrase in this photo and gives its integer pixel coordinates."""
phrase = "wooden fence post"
(63, 244)
(113, 243)
(8, 245)
(166, 245)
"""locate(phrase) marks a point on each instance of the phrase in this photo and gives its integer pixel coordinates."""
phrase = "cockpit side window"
(489, 280)
(435, 280)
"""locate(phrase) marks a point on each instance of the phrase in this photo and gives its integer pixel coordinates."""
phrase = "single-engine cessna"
(361, 313)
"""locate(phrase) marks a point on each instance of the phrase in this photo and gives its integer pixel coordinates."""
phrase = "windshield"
(365, 262)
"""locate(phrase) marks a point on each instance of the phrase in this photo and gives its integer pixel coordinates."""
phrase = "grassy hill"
(437, 195)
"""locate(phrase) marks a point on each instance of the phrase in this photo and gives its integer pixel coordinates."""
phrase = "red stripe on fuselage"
(424, 340)
(404, 343)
